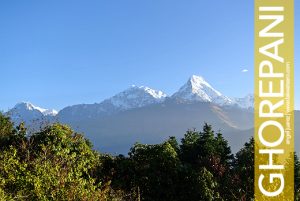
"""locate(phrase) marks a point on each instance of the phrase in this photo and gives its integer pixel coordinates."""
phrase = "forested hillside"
(60, 164)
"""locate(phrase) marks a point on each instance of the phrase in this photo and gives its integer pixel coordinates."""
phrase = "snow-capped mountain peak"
(31, 114)
(198, 83)
(245, 102)
(23, 106)
(154, 93)
(49, 112)
(131, 98)
(198, 89)
(135, 97)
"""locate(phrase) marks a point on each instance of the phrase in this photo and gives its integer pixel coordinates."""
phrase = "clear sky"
(63, 52)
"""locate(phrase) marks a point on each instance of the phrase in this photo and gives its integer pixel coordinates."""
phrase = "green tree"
(6, 126)
(9, 135)
(173, 142)
(6, 131)
(209, 150)
(197, 185)
(204, 149)
(189, 147)
(54, 164)
(207, 144)
(243, 176)
(223, 150)
(156, 171)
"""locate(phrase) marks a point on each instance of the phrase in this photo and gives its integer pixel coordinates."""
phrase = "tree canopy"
(58, 163)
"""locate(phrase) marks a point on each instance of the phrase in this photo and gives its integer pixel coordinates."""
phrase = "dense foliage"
(60, 164)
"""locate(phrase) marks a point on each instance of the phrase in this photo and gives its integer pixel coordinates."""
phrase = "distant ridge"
(147, 115)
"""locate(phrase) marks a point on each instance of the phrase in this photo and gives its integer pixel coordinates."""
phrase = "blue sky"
(63, 52)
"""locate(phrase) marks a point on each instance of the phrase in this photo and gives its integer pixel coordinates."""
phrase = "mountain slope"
(154, 123)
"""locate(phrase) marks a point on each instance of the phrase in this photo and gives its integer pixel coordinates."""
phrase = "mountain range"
(149, 116)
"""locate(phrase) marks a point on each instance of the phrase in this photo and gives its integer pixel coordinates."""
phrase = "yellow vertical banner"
(274, 100)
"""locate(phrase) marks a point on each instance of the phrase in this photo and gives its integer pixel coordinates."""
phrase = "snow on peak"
(135, 97)
(22, 106)
(198, 89)
(245, 102)
(198, 84)
(50, 112)
(154, 93)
